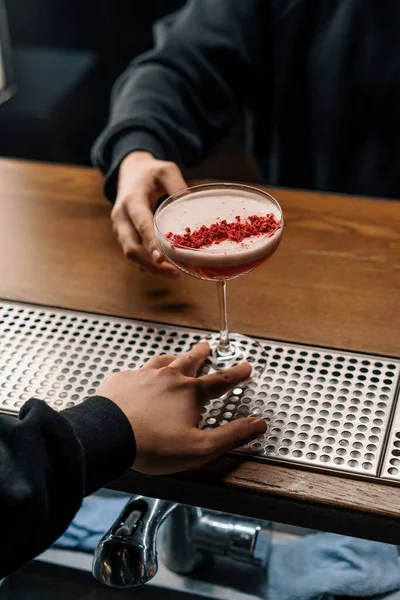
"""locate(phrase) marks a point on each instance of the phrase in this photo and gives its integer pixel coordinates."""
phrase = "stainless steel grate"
(325, 409)
(391, 463)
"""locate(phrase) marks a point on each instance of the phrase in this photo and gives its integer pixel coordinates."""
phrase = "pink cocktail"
(219, 232)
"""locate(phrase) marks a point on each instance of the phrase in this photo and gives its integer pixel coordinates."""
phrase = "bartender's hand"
(142, 181)
(163, 400)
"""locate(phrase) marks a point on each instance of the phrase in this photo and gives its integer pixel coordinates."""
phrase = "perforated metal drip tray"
(325, 409)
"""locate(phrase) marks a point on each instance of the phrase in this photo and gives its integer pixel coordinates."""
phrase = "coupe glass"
(221, 261)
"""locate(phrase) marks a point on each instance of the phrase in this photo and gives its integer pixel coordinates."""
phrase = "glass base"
(241, 349)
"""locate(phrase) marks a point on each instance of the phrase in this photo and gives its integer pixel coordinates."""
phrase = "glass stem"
(224, 346)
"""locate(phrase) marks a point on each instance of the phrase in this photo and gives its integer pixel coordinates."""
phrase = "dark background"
(66, 56)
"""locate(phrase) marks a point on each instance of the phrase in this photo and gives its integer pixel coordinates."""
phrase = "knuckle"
(125, 374)
(130, 252)
(166, 167)
(224, 377)
(115, 227)
(117, 210)
(142, 227)
(161, 362)
(167, 371)
(161, 359)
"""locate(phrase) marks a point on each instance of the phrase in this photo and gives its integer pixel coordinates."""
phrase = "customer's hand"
(142, 181)
(163, 400)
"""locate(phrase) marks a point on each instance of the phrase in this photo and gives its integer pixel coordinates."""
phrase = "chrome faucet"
(127, 557)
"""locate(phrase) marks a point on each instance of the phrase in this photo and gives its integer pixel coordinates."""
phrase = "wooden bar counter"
(335, 282)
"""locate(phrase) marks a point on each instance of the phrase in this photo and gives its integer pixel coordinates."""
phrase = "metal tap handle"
(193, 536)
(126, 555)
(230, 535)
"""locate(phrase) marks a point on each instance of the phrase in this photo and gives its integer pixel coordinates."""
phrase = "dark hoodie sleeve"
(49, 462)
(178, 100)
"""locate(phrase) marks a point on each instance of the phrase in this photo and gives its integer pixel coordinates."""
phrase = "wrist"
(135, 157)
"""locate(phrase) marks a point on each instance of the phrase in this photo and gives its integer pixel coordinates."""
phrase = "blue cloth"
(323, 565)
(96, 515)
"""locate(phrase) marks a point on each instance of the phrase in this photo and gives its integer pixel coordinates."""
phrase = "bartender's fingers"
(131, 244)
(232, 435)
(169, 181)
(142, 180)
(219, 383)
(141, 216)
(189, 363)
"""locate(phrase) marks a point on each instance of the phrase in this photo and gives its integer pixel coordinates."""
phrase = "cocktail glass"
(223, 260)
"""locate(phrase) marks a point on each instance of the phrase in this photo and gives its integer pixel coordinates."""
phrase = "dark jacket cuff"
(106, 437)
(124, 144)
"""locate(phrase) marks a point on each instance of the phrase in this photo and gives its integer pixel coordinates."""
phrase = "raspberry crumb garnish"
(236, 231)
